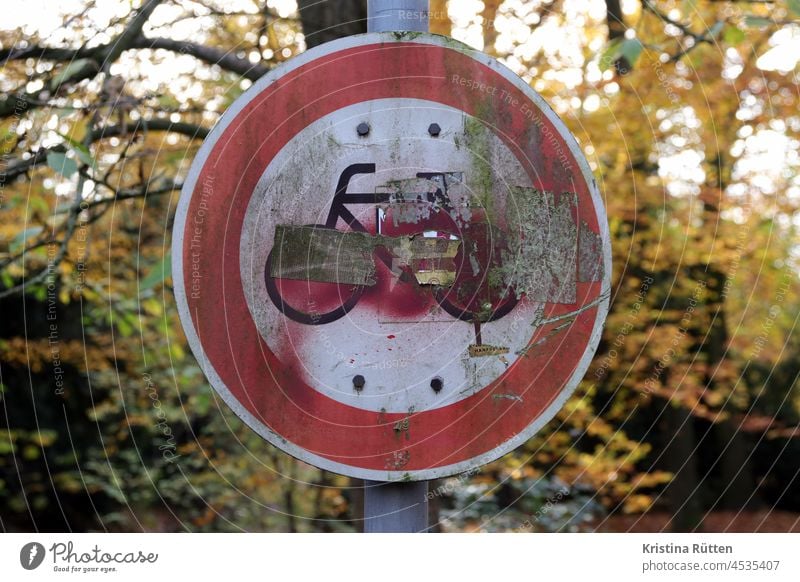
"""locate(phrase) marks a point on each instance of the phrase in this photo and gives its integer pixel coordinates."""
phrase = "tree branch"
(46, 53)
(21, 167)
(697, 38)
(649, 7)
(213, 56)
(50, 269)
(156, 124)
(133, 31)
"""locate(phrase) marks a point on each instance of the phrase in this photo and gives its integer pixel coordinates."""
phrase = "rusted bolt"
(437, 384)
(363, 128)
(434, 129)
(358, 382)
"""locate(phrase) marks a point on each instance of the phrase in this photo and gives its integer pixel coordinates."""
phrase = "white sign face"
(396, 352)
(392, 276)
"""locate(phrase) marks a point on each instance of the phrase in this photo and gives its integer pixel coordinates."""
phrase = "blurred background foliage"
(688, 113)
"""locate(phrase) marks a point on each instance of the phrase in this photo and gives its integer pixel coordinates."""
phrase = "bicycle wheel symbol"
(348, 297)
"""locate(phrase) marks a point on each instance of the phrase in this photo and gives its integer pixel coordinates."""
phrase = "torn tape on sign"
(309, 253)
(549, 254)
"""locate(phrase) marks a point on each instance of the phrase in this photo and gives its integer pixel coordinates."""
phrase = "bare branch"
(133, 31)
(650, 7)
(156, 124)
(50, 269)
(696, 38)
(96, 60)
(213, 56)
(139, 192)
(20, 167)
(46, 53)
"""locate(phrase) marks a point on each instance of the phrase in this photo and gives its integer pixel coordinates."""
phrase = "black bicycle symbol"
(468, 299)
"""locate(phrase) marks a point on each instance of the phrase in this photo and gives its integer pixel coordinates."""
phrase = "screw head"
(437, 384)
(363, 128)
(434, 129)
(358, 382)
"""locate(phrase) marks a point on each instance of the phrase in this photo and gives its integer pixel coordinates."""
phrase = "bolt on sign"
(391, 258)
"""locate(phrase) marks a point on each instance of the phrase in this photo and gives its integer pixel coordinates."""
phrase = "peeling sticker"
(431, 258)
(514, 397)
(402, 426)
(541, 261)
(398, 460)
(476, 351)
(590, 253)
(414, 200)
(309, 253)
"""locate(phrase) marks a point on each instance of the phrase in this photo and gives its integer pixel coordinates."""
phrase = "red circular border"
(270, 389)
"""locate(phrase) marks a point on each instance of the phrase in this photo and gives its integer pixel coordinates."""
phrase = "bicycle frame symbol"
(439, 198)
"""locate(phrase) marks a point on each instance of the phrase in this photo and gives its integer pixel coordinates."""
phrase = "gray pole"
(389, 15)
(396, 507)
(400, 507)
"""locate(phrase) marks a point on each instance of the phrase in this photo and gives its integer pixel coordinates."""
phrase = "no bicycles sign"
(390, 258)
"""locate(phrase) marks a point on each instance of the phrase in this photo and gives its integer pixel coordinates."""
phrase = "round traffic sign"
(390, 258)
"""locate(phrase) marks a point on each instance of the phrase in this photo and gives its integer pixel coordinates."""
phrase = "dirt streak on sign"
(387, 269)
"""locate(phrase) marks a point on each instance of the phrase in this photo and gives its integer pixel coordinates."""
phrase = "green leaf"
(202, 403)
(80, 150)
(610, 54)
(158, 273)
(794, 6)
(8, 141)
(631, 48)
(714, 31)
(6, 445)
(176, 351)
(757, 21)
(79, 68)
(19, 241)
(733, 35)
(39, 204)
(62, 164)
(43, 438)
(39, 293)
(8, 280)
(124, 326)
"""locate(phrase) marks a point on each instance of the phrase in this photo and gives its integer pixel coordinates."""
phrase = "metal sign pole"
(402, 15)
(400, 507)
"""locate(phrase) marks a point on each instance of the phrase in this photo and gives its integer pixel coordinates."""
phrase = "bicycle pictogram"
(474, 295)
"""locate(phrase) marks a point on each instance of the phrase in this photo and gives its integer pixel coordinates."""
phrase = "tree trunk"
(736, 470)
(439, 20)
(489, 14)
(324, 21)
(683, 492)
